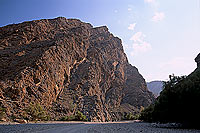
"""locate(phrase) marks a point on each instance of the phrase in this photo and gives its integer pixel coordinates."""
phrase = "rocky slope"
(67, 65)
(155, 87)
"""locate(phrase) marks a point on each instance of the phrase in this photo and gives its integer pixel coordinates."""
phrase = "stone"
(21, 121)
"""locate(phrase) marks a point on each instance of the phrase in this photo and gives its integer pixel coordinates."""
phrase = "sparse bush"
(68, 118)
(130, 116)
(2, 113)
(36, 112)
(136, 117)
(79, 116)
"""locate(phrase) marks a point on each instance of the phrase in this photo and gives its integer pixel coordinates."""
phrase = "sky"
(160, 37)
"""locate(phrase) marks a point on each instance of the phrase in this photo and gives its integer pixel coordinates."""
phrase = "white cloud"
(132, 26)
(149, 1)
(153, 3)
(137, 37)
(129, 9)
(116, 11)
(139, 45)
(158, 16)
(140, 48)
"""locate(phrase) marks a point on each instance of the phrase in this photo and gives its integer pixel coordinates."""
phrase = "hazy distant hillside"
(155, 87)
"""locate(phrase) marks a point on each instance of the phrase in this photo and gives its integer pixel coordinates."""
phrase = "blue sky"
(160, 37)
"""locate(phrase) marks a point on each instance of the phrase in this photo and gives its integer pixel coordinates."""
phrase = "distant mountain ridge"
(155, 87)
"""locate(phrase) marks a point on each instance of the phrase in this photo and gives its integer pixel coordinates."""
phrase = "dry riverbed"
(92, 127)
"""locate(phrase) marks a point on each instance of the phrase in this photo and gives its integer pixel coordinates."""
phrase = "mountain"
(155, 87)
(65, 66)
(178, 102)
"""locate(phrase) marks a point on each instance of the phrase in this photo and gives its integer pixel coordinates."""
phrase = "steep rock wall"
(67, 65)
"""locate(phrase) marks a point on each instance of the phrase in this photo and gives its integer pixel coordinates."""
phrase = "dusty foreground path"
(91, 127)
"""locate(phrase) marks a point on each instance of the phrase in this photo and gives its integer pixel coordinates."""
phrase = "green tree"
(177, 101)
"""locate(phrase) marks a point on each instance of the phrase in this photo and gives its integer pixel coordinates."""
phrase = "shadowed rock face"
(197, 59)
(67, 65)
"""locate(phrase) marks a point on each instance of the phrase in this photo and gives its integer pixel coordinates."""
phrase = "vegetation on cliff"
(2, 113)
(35, 112)
(78, 116)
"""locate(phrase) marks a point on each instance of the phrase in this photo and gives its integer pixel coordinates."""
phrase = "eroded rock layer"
(67, 65)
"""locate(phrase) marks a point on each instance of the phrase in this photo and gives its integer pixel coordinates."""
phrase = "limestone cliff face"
(197, 59)
(67, 65)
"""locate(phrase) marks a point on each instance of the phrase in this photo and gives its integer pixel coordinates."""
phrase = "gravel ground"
(29, 128)
(92, 127)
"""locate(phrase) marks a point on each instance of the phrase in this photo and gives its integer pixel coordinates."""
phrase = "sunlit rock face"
(197, 59)
(67, 65)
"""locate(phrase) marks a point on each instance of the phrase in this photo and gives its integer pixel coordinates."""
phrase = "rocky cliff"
(67, 65)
